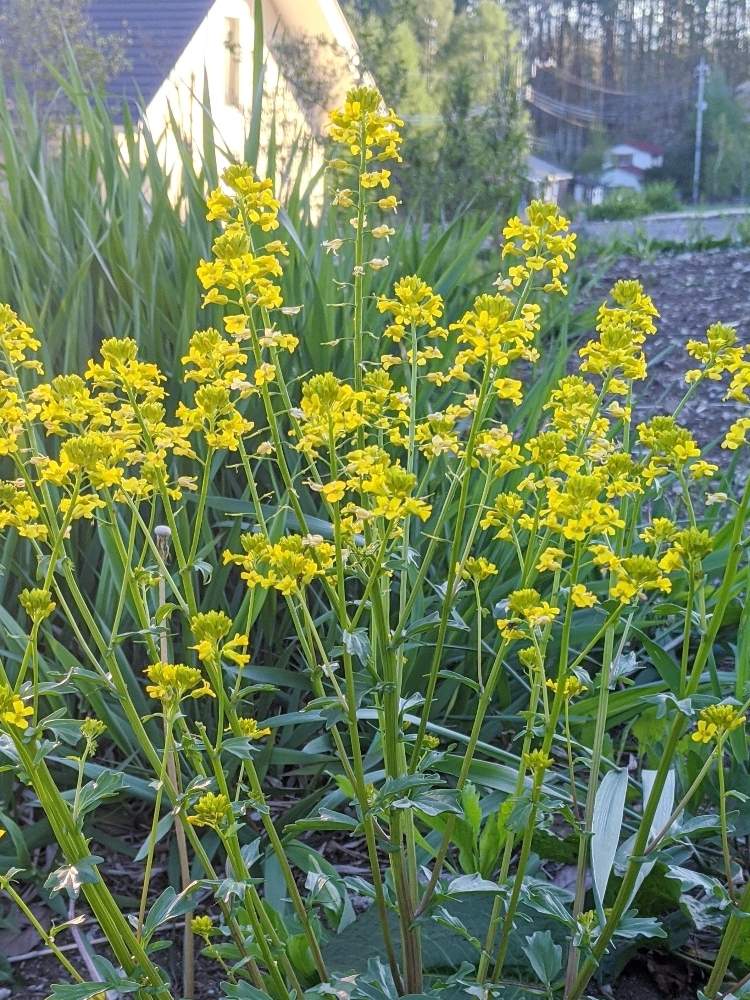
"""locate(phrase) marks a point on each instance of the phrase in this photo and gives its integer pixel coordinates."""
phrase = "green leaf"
(470, 883)
(93, 793)
(606, 825)
(168, 906)
(545, 957)
(357, 644)
(84, 991)
(70, 878)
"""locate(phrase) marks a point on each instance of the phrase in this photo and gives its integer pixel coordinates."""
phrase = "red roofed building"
(626, 163)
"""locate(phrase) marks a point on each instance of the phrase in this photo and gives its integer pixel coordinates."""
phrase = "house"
(545, 180)
(626, 163)
(177, 50)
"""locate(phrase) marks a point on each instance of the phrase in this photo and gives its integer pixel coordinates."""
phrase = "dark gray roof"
(156, 33)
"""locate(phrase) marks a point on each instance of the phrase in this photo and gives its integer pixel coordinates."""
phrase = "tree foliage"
(455, 76)
(38, 37)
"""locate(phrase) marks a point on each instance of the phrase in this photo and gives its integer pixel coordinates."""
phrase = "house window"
(232, 62)
(624, 159)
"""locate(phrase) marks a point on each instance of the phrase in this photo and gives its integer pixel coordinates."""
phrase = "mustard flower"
(172, 682)
(211, 810)
(37, 604)
(13, 711)
(572, 687)
(251, 730)
(715, 721)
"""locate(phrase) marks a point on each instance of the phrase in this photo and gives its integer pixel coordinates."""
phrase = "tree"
(454, 75)
(38, 37)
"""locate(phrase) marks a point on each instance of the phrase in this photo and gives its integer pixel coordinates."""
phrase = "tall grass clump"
(477, 644)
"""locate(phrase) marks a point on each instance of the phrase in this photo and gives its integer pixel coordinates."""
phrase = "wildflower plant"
(387, 515)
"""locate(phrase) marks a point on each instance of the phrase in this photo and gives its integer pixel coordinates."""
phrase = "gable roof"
(154, 35)
(642, 145)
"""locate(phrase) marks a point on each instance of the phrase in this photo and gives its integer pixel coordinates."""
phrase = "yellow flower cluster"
(329, 411)
(17, 342)
(385, 485)
(210, 629)
(572, 687)
(365, 128)
(633, 576)
(477, 569)
(543, 243)
(211, 810)
(527, 610)
(37, 604)
(173, 682)
(715, 721)
(288, 565)
(495, 334)
(13, 711)
(414, 305)
(717, 354)
(672, 448)
(622, 332)
(576, 510)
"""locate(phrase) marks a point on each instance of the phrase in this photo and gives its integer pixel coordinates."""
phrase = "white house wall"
(182, 92)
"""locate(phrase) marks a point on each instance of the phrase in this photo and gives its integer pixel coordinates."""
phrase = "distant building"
(545, 180)
(177, 50)
(626, 163)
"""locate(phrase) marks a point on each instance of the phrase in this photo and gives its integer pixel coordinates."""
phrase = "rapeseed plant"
(568, 507)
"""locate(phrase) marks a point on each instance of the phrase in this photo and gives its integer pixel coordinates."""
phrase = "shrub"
(427, 558)
(661, 196)
(623, 203)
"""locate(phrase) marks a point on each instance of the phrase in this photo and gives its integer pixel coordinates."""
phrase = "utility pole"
(700, 107)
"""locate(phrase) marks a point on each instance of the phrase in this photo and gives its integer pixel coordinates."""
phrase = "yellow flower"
(736, 436)
(334, 491)
(171, 682)
(537, 762)
(718, 354)
(542, 244)
(622, 332)
(414, 303)
(581, 597)
(478, 569)
(251, 730)
(635, 576)
(37, 604)
(509, 388)
(571, 688)
(264, 374)
(716, 721)
(210, 628)
(211, 810)
(202, 926)
(13, 712)
(363, 123)
(550, 560)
